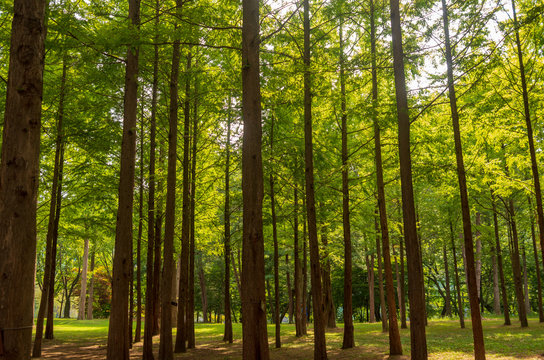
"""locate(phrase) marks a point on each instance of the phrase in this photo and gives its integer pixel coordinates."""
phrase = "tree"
(118, 342)
(255, 339)
(19, 177)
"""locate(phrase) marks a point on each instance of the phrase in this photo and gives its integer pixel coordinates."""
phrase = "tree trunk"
(448, 295)
(275, 240)
(348, 340)
(516, 266)
(530, 136)
(496, 289)
(90, 301)
(165, 346)
(328, 302)
(460, 306)
(228, 320)
(236, 276)
(477, 332)
(50, 264)
(299, 305)
(504, 295)
(370, 278)
(478, 258)
(118, 344)
(157, 257)
(138, 331)
(147, 350)
(402, 283)
(83, 292)
(203, 293)
(383, 311)
(305, 294)
(415, 293)
(255, 339)
(525, 283)
(181, 335)
(535, 253)
(289, 290)
(191, 343)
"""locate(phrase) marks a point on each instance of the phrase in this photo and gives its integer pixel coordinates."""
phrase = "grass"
(445, 340)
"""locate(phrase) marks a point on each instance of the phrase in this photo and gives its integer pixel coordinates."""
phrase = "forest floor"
(87, 339)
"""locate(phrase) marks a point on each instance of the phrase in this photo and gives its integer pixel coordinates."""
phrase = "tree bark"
(448, 295)
(118, 342)
(289, 290)
(275, 240)
(418, 341)
(157, 253)
(328, 302)
(535, 253)
(255, 339)
(51, 244)
(299, 302)
(83, 292)
(477, 331)
(203, 293)
(402, 282)
(504, 295)
(383, 311)
(181, 335)
(138, 330)
(147, 350)
(165, 345)
(525, 282)
(460, 306)
(530, 136)
(228, 319)
(90, 301)
(370, 278)
(478, 258)
(496, 289)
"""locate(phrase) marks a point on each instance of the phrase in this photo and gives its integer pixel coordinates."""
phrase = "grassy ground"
(87, 340)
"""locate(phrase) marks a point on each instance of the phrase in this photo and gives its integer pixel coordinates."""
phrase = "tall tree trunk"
(525, 282)
(471, 271)
(191, 343)
(289, 290)
(371, 302)
(535, 253)
(203, 292)
(504, 295)
(157, 253)
(83, 292)
(448, 295)
(275, 239)
(397, 277)
(118, 342)
(48, 280)
(147, 350)
(460, 306)
(402, 281)
(90, 301)
(496, 289)
(255, 339)
(138, 330)
(236, 276)
(348, 340)
(320, 349)
(383, 311)
(415, 293)
(228, 320)
(478, 257)
(530, 136)
(181, 335)
(299, 304)
(165, 346)
(516, 266)
(395, 346)
(305, 295)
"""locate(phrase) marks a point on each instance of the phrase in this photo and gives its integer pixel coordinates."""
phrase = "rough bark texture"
(496, 289)
(504, 295)
(181, 335)
(535, 254)
(255, 339)
(418, 339)
(51, 245)
(525, 282)
(328, 301)
(403, 324)
(165, 345)
(138, 330)
(118, 342)
(228, 319)
(478, 257)
(299, 304)
(83, 291)
(471, 271)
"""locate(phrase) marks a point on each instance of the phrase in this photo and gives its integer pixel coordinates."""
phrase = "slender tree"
(504, 295)
(418, 339)
(275, 240)
(83, 291)
(118, 342)
(255, 339)
(228, 319)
